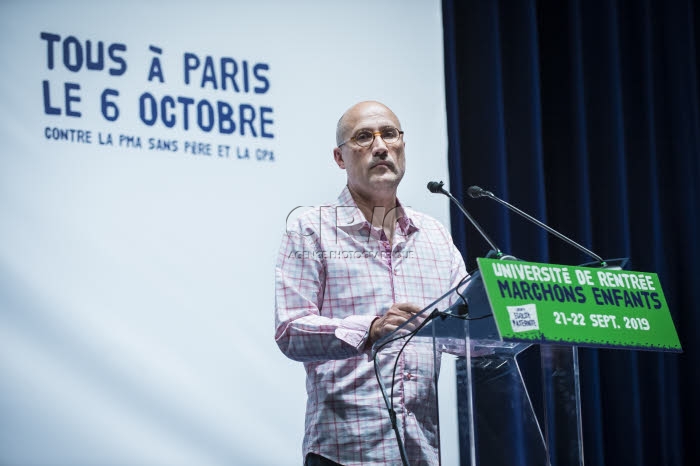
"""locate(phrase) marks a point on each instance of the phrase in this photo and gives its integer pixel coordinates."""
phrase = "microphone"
(476, 192)
(437, 188)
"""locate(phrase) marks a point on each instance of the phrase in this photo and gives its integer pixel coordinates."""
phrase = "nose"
(379, 147)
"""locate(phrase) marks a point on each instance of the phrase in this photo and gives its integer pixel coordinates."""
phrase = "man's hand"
(397, 314)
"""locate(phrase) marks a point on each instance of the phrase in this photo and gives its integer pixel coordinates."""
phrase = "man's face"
(378, 168)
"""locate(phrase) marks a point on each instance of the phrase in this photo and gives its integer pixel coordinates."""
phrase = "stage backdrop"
(150, 155)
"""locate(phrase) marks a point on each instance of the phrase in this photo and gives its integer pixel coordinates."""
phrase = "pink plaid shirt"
(335, 274)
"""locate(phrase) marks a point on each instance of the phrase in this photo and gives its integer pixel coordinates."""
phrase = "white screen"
(136, 283)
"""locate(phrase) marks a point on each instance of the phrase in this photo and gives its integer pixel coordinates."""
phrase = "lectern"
(518, 397)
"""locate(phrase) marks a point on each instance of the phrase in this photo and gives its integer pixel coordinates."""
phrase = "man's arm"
(301, 331)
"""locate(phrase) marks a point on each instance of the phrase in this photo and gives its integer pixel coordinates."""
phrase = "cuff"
(354, 330)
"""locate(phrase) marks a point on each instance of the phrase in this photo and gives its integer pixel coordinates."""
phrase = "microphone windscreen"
(475, 191)
(435, 187)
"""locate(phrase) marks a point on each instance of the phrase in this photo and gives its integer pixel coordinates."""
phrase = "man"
(350, 273)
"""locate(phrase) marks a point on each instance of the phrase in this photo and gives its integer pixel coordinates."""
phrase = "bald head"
(351, 115)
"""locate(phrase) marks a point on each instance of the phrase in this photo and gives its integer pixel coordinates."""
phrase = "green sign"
(566, 304)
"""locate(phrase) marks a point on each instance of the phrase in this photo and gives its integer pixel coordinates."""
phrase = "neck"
(379, 209)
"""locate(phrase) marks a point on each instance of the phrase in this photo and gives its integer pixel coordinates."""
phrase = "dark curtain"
(584, 113)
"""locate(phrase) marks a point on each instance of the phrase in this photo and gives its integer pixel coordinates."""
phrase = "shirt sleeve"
(301, 332)
(458, 270)
(459, 276)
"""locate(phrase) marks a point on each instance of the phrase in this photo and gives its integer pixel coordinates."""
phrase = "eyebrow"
(380, 128)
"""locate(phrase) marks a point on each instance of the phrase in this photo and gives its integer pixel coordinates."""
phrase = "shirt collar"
(350, 216)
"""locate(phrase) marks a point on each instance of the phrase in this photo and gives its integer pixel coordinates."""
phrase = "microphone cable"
(389, 402)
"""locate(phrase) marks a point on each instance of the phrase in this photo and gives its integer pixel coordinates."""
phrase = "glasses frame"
(374, 135)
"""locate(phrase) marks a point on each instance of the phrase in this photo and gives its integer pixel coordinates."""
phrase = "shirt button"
(408, 375)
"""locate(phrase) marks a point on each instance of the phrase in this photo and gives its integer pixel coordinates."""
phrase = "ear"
(338, 156)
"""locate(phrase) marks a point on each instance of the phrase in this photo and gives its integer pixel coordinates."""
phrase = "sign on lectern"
(563, 304)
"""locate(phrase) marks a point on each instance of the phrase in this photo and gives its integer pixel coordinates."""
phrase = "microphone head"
(435, 187)
(475, 191)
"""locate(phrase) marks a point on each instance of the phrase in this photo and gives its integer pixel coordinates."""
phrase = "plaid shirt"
(335, 274)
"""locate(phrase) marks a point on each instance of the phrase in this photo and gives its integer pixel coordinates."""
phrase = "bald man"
(349, 273)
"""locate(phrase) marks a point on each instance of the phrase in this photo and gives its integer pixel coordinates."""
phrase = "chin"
(386, 182)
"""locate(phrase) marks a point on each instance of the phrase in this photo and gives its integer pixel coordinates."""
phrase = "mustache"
(386, 162)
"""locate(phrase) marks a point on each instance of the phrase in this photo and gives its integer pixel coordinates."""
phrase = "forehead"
(371, 116)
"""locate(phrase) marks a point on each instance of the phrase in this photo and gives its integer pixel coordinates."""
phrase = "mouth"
(388, 165)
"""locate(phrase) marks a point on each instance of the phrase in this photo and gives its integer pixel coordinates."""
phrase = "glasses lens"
(390, 134)
(364, 138)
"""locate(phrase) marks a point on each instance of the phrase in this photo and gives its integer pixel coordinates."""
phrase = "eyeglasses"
(365, 137)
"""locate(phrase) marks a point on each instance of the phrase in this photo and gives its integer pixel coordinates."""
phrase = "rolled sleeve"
(354, 330)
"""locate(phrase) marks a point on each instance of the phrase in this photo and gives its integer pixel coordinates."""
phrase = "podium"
(517, 402)
(497, 419)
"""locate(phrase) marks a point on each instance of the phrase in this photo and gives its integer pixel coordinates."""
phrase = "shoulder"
(321, 216)
(308, 220)
(426, 223)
